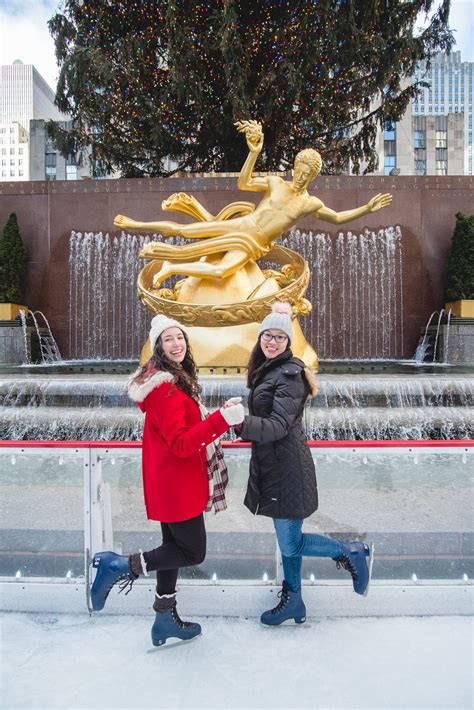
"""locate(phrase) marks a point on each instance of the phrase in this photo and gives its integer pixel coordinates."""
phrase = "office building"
(434, 137)
(450, 91)
(26, 151)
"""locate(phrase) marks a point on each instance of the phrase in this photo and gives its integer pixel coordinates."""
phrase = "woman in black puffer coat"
(282, 480)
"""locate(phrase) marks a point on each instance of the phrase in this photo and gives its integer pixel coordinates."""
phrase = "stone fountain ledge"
(351, 390)
(347, 406)
(125, 423)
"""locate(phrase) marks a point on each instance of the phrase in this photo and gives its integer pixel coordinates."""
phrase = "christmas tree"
(148, 79)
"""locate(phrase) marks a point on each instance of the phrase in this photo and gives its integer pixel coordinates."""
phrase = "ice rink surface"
(79, 662)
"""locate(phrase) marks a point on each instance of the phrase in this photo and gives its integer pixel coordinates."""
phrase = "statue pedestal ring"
(223, 317)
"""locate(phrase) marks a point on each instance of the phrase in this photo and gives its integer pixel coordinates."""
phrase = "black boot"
(167, 622)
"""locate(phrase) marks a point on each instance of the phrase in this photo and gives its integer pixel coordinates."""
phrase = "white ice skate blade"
(371, 562)
(88, 581)
(174, 642)
(289, 623)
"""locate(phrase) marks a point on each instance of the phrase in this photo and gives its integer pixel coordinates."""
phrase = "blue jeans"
(295, 544)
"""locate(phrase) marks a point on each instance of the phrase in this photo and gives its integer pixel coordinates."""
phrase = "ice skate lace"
(346, 562)
(178, 621)
(283, 594)
(124, 581)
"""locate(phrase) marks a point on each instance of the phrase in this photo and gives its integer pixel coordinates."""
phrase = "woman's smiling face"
(273, 342)
(173, 343)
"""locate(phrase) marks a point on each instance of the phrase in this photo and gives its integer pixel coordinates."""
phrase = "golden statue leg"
(190, 252)
(222, 269)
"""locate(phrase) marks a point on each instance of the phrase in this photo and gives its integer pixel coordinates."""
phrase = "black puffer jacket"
(282, 481)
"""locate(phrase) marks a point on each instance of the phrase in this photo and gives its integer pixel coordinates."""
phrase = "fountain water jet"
(356, 292)
(25, 336)
(355, 289)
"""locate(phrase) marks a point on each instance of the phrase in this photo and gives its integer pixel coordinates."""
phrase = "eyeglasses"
(268, 337)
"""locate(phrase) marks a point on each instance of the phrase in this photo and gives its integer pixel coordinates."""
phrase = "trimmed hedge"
(12, 262)
(461, 260)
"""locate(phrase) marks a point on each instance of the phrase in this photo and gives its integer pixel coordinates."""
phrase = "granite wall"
(423, 209)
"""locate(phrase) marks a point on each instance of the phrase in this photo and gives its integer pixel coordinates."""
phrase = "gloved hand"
(234, 414)
(231, 402)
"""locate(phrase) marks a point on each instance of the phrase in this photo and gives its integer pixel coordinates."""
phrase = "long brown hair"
(257, 361)
(185, 373)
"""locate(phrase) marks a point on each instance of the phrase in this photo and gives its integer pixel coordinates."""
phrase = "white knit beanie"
(158, 325)
(278, 319)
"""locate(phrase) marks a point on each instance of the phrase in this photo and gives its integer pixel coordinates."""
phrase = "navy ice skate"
(111, 569)
(354, 560)
(290, 606)
(168, 623)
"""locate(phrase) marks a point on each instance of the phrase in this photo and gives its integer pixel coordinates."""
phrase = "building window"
(420, 167)
(441, 139)
(50, 166)
(12, 129)
(12, 173)
(20, 173)
(441, 167)
(419, 139)
(20, 162)
(3, 130)
(389, 164)
(4, 151)
(12, 151)
(71, 172)
(4, 162)
(20, 150)
(50, 160)
(389, 132)
(389, 148)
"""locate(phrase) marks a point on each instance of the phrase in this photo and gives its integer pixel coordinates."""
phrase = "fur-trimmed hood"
(138, 392)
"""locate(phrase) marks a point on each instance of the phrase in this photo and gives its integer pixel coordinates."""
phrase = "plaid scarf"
(217, 474)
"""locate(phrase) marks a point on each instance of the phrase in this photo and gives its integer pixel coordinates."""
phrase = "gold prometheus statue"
(224, 284)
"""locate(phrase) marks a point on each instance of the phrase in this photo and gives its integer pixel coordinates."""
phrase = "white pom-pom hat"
(278, 319)
(158, 325)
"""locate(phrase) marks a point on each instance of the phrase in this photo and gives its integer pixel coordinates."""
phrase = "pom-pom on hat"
(278, 319)
(158, 325)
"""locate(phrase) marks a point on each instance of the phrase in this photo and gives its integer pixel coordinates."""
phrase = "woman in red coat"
(183, 475)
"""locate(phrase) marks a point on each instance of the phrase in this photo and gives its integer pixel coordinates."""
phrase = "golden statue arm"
(376, 203)
(254, 136)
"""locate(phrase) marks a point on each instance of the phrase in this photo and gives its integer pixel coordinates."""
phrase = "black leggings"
(184, 544)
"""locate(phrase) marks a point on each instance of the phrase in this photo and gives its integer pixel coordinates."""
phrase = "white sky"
(24, 34)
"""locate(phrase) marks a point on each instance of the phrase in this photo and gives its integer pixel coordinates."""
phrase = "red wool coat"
(175, 482)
